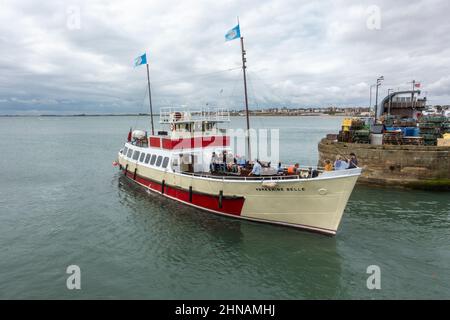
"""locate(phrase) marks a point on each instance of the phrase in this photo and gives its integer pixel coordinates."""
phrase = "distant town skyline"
(78, 58)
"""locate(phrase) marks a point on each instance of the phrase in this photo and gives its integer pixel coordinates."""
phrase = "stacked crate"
(360, 136)
(408, 122)
(446, 127)
(353, 130)
(390, 120)
(394, 137)
(416, 141)
(431, 128)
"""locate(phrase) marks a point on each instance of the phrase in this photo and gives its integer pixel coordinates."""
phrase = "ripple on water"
(72, 207)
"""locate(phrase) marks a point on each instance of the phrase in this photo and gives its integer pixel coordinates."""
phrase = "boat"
(180, 163)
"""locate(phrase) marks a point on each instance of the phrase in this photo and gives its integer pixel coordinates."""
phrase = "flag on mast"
(233, 33)
(417, 84)
(140, 60)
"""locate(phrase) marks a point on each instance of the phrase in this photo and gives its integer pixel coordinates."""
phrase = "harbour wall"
(421, 167)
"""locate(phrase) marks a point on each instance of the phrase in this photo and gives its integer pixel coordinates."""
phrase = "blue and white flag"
(140, 60)
(233, 34)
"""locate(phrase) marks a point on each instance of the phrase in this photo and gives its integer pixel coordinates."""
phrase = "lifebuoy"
(178, 116)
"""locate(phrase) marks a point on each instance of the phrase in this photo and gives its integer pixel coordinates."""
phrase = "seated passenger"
(293, 169)
(241, 161)
(353, 162)
(223, 161)
(328, 166)
(280, 168)
(340, 163)
(256, 171)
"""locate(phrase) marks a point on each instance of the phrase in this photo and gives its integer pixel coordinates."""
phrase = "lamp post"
(370, 99)
(376, 96)
(390, 100)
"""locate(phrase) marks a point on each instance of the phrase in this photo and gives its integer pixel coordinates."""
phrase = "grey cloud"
(300, 53)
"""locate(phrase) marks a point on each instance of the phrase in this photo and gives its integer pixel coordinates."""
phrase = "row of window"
(146, 158)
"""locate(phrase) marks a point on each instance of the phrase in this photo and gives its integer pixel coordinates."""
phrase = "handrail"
(187, 114)
(245, 178)
(267, 178)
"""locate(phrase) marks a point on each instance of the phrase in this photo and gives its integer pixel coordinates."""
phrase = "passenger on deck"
(340, 164)
(256, 169)
(241, 161)
(232, 167)
(280, 168)
(328, 166)
(293, 169)
(353, 162)
(214, 165)
(223, 163)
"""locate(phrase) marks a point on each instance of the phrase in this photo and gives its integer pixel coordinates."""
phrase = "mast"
(244, 60)
(150, 99)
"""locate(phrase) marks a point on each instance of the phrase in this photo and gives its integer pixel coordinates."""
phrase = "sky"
(70, 57)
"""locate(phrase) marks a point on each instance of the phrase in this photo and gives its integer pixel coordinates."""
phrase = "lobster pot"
(376, 138)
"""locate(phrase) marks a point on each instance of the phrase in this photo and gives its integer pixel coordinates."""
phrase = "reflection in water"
(282, 261)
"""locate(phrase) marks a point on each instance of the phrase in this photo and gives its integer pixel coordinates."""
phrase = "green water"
(62, 203)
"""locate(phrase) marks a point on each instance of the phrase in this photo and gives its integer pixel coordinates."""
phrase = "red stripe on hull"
(231, 206)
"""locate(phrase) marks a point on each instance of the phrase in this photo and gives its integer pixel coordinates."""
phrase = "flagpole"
(150, 99)
(246, 97)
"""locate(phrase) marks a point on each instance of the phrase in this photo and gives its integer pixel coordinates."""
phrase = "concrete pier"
(419, 167)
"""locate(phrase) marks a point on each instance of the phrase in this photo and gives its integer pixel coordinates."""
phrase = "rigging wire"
(233, 89)
(142, 106)
(235, 82)
(170, 81)
(253, 94)
(271, 90)
(195, 76)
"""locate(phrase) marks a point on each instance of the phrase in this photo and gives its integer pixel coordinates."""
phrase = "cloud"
(299, 53)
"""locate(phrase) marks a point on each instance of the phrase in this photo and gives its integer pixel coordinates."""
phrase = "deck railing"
(186, 114)
(252, 178)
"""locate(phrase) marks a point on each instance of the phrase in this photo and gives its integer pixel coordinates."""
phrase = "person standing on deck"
(223, 164)
(214, 162)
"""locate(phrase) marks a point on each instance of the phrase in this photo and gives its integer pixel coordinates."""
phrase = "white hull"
(316, 204)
